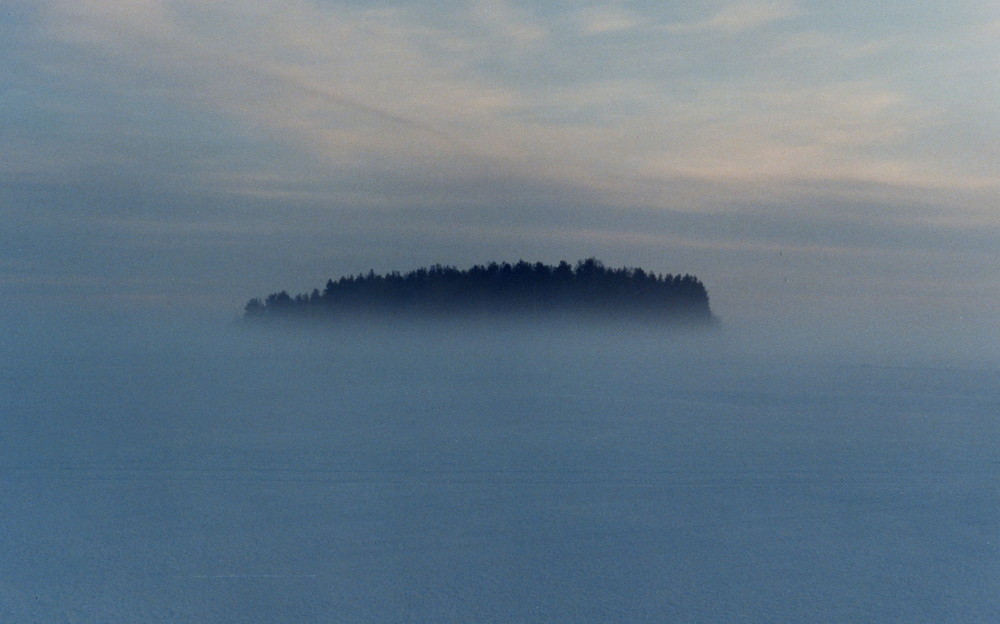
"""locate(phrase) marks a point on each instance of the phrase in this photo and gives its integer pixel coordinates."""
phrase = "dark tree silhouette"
(588, 288)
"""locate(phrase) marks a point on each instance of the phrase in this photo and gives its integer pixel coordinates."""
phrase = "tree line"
(589, 287)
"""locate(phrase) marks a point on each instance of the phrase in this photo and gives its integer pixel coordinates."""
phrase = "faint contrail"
(286, 78)
(247, 576)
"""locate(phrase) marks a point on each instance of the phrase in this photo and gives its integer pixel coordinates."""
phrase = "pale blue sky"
(841, 157)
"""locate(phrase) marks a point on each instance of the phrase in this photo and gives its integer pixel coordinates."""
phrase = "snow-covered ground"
(488, 474)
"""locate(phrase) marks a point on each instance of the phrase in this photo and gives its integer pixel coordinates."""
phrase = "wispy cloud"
(599, 20)
(344, 84)
(385, 91)
(512, 24)
(741, 16)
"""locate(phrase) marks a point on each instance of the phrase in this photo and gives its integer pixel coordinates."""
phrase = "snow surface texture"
(487, 474)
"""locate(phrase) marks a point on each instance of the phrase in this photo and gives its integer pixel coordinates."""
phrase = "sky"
(831, 161)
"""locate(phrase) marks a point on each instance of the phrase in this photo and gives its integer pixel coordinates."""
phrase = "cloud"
(105, 22)
(345, 85)
(606, 19)
(817, 46)
(369, 104)
(741, 16)
(378, 94)
(510, 24)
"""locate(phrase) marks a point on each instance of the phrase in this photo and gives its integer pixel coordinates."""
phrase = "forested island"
(587, 288)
